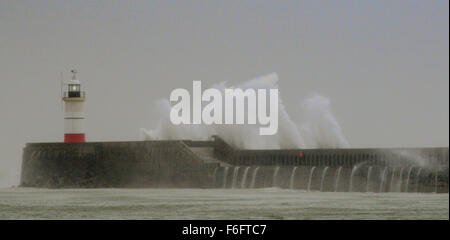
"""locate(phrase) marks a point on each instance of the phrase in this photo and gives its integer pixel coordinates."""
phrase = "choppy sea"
(266, 203)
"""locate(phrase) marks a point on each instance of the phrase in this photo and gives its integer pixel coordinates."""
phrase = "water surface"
(268, 203)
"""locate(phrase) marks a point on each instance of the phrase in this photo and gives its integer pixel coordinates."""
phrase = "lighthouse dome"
(73, 81)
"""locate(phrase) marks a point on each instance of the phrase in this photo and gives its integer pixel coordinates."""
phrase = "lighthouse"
(73, 99)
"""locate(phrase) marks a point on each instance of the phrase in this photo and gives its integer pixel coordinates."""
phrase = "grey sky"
(383, 64)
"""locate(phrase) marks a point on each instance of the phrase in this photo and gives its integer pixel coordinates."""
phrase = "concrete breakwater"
(112, 164)
(215, 164)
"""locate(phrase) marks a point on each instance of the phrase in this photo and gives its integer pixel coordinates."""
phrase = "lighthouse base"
(74, 138)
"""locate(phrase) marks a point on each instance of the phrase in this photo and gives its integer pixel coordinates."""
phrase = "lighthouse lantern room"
(73, 99)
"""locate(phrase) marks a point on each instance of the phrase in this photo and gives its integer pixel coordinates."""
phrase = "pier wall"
(206, 164)
(112, 164)
(360, 170)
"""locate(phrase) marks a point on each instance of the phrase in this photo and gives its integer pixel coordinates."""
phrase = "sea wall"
(437, 158)
(113, 164)
(206, 164)
(342, 170)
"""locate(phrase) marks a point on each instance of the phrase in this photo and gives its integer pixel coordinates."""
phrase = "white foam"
(320, 128)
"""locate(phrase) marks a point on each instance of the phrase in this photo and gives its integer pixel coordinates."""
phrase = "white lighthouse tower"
(73, 99)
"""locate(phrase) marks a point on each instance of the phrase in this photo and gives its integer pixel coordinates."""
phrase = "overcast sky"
(383, 64)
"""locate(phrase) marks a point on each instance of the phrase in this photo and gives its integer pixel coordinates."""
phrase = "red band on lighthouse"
(74, 138)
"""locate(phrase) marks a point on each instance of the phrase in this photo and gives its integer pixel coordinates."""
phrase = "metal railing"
(69, 94)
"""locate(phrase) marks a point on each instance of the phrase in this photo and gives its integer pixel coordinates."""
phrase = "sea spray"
(383, 179)
(320, 128)
(165, 130)
(353, 173)
(400, 181)
(255, 172)
(310, 178)
(411, 156)
(324, 172)
(275, 173)
(351, 178)
(235, 176)
(244, 177)
(291, 182)
(369, 173)
(338, 177)
(320, 125)
(225, 173)
(214, 176)
(436, 182)
(391, 186)
(407, 179)
(417, 181)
